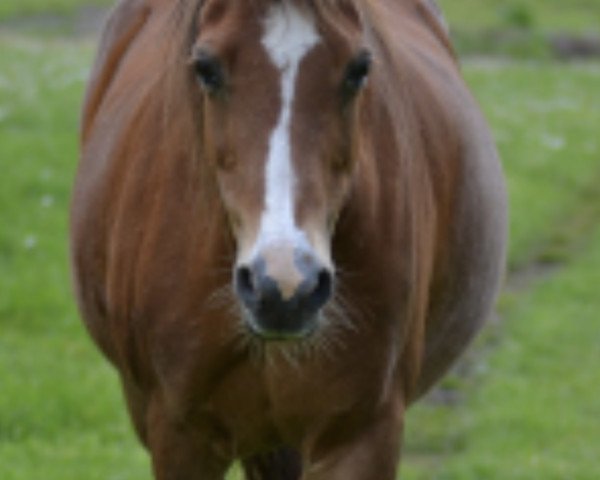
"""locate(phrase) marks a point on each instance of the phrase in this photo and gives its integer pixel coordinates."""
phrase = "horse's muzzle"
(277, 311)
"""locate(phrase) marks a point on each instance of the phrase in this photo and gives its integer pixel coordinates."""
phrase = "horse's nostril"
(323, 289)
(245, 285)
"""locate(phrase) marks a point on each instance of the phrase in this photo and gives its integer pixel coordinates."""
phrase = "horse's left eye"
(209, 73)
(356, 74)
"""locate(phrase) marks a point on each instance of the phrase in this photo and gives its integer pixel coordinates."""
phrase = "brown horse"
(288, 222)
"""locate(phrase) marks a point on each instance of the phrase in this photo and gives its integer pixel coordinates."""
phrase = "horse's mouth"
(281, 327)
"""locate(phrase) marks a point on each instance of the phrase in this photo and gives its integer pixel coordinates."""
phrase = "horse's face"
(281, 91)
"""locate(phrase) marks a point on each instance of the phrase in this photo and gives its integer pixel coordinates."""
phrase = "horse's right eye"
(209, 73)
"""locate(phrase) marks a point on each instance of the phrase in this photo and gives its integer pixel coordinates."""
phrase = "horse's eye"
(356, 74)
(209, 73)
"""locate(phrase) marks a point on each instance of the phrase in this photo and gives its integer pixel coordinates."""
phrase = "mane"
(180, 101)
(422, 137)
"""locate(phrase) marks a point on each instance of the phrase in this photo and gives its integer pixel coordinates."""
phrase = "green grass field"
(546, 15)
(60, 412)
(529, 409)
(19, 8)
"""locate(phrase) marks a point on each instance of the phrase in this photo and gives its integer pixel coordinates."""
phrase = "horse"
(288, 221)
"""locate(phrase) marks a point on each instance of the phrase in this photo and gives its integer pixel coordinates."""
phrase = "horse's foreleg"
(281, 464)
(372, 454)
(181, 453)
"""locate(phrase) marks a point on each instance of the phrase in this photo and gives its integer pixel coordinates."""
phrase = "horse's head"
(281, 86)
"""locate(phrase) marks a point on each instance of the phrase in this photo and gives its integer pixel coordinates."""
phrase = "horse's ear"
(437, 12)
(431, 13)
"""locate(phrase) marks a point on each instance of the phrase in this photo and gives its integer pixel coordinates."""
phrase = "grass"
(10, 9)
(61, 415)
(545, 15)
(539, 408)
(530, 409)
(519, 28)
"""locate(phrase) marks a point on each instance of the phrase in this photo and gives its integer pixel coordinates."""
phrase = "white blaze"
(289, 35)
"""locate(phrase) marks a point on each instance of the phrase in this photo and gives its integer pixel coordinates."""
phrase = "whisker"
(337, 321)
(221, 297)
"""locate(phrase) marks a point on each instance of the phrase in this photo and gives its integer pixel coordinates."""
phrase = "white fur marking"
(289, 35)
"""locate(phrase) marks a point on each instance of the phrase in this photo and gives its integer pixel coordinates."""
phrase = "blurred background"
(525, 401)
